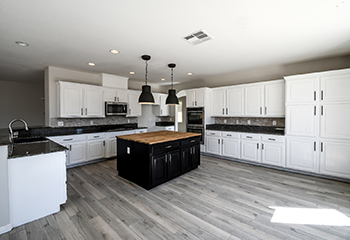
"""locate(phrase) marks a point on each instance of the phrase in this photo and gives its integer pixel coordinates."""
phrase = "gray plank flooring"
(220, 200)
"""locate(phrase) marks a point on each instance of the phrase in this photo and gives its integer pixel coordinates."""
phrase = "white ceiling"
(246, 34)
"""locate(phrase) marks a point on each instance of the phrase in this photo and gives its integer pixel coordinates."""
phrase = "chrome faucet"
(10, 128)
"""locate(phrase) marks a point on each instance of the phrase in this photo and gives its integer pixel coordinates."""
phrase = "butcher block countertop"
(158, 137)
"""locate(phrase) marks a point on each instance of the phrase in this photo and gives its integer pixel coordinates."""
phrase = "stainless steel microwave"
(116, 108)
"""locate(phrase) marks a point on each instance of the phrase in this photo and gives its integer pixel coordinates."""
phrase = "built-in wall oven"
(195, 121)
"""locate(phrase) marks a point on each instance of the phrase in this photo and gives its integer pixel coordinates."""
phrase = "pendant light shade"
(146, 96)
(172, 99)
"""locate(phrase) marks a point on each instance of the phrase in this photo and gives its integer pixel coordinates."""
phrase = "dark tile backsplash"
(280, 122)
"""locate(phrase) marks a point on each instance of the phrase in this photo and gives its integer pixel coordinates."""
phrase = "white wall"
(148, 119)
(21, 100)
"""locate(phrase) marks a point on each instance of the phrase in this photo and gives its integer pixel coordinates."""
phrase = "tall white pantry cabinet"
(318, 122)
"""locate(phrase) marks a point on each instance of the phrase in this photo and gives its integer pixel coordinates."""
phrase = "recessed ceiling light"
(114, 51)
(189, 74)
(132, 73)
(163, 79)
(91, 64)
(22, 44)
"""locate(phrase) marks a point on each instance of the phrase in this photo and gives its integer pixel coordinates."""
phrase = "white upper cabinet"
(115, 95)
(227, 101)
(160, 108)
(253, 100)
(156, 97)
(335, 88)
(134, 106)
(301, 90)
(80, 100)
(274, 99)
(195, 98)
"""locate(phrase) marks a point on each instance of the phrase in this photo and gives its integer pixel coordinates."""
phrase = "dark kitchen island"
(150, 159)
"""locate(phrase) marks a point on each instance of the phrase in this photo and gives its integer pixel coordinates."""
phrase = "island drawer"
(165, 147)
(190, 141)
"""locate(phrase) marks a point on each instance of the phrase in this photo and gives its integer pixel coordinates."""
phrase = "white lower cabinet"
(273, 150)
(231, 144)
(335, 158)
(301, 154)
(213, 142)
(95, 146)
(76, 153)
(250, 147)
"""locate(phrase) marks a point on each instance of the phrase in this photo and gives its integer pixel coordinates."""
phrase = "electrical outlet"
(128, 120)
(236, 121)
(248, 121)
(128, 150)
(60, 124)
(274, 122)
(91, 122)
(225, 121)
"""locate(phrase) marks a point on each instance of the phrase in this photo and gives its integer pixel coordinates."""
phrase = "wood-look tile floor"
(220, 200)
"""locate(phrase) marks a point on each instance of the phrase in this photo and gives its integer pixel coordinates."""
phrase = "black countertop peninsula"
(246, 129)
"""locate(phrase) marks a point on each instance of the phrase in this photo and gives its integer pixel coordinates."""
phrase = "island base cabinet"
(190, 158)
(37, 186)
(159, 169)
(335, 158)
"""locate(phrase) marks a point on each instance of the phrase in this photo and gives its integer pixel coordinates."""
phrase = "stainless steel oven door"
(195, 117)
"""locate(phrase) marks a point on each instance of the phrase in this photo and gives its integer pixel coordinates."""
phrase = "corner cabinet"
(135, 109)
(79, 100)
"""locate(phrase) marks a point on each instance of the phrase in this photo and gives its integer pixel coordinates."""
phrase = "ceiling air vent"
(197, 37)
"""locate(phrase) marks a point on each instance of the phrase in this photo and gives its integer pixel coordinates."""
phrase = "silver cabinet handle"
(68, 139)
(271, 139)
(322, 95)
(265, 110)
(170, 158)
(115, 99)
(104, 143)
(249, 137)
(321, 146)
(194, 150)
(118, 99)
(166, 160)
(315, 146)
(314, 95)
(219, 141)
(85, 111)
(212, 133)
(262, 146)
(257, 145)
(321, 110)
(223, 111)
(196, 103)
(315, 111)
(260, 110)
(168, 146)
(226, 111)
(82, 113)
(70, 147)
(96, 136)
(229, 135)
(192, 141)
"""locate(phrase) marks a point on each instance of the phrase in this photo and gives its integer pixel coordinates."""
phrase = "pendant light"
(146, 96)
(172, 99)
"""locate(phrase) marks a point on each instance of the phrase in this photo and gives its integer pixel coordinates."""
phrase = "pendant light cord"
(146, 71)
(172, 73)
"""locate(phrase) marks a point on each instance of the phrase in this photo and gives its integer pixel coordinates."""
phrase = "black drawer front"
(165, 147)
(190, 141)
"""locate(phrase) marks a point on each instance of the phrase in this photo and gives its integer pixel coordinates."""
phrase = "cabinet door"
(95, 149)
(164, 109)
(196, 158)
(301, 154)
(302, 120)
(218, 103)
(77, 153)
(174, 164)
(156, 97)
(134, 106)
(250, 150)
(253, 100)
(231, 148)
(234, 101)
(122, 95)
(302, 90)
(274, 99)
(335, 88)
(109, 95)
(335, 120)
(71, 101)
(93, 102)
(273, 154)
(213, 145)
(335, 158)
(199, 98)
(186, 159)
(159, 169)
(190, 98)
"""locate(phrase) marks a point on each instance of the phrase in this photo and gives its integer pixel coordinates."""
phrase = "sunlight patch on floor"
(314, 216)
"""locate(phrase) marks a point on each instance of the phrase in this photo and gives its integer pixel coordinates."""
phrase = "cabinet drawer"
(250, 136)
(69, 138)
(231, 135)
(190, 141)
(273, 138)
(95, 136)
(165, 147)
(213, 133)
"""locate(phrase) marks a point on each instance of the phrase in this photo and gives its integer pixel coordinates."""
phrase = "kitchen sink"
(30, 140)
